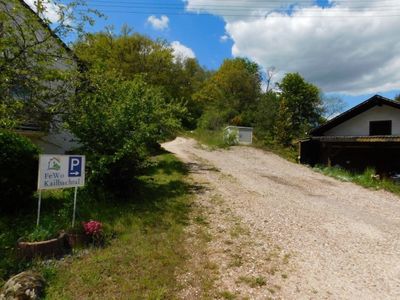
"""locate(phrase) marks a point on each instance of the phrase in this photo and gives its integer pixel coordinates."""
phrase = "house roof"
(238, 127)
(48, 29)
(376, 100)
(365, 139)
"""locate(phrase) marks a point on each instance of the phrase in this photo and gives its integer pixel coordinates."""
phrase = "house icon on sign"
(54, 164)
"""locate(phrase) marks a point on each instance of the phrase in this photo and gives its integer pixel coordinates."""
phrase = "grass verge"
(56, 215)
(148, 249)
(211, 138)
(366, 179)
(288, 153)
(214, 140)
(141, 262)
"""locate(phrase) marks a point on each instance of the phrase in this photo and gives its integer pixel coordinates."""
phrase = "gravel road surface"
(343, 240)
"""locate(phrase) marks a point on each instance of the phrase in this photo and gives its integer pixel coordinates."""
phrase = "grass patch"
(200, 272)
(290, 153)
(56, 215)
(253, 281)
(227, 295)
(212, 139)
(201, 220)
(238, 230)
(366, 179)
(237, 260)
(140, 263)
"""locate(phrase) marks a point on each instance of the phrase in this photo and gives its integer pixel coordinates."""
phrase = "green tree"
(133, 54)
(190, 78)
(129, 54)
(37, 70)
(284, 132)
(231, 93)
(265, 115)
(301, 102)
(397, 97)
(116, 122)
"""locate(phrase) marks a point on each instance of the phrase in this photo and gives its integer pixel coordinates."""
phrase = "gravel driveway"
(343, 240)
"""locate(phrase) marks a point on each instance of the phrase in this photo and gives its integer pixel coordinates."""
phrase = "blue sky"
(201, 33)
(326, 47)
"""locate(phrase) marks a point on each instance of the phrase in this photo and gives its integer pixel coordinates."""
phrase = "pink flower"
(92, 227)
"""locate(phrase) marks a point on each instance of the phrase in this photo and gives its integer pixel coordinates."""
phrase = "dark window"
(380, 128)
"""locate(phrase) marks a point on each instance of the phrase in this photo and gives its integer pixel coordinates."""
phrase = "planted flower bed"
(55, 247)
(38, 244)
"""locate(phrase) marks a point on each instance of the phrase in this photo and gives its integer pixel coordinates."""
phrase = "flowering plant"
(93, 228)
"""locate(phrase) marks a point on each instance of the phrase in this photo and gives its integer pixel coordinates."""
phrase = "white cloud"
(181, 52)
(224, 38)
(158, 23)
(232, 10)
(349, 47)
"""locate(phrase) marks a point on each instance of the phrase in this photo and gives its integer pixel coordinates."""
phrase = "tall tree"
(284, 132)
(232, 92)
(131, 54)
(301, 102)
(266, 114)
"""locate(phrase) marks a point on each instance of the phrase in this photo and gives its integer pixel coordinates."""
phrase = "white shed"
(244, 135)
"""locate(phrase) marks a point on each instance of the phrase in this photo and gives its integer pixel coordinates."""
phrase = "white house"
(55, 140)
(367, 135)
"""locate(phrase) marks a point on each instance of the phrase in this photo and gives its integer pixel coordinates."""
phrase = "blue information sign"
(75, 166)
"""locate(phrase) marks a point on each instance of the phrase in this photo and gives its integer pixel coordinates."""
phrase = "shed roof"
(376, 100)
(239, 127)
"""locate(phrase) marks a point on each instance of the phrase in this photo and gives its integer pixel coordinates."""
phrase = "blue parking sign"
(75, 166)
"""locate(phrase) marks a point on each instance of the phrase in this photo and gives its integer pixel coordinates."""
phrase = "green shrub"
(212, 138)
(18, 170)
(118, 123)
(232, 137)
(38, 234)
(212, 120)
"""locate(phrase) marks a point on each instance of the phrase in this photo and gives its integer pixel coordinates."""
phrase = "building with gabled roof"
(51, 140)
(367, 135)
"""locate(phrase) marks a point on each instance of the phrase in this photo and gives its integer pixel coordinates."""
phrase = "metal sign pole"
(73, 216)
(38, 210)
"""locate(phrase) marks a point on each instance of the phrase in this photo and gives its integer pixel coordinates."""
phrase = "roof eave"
(363, 106)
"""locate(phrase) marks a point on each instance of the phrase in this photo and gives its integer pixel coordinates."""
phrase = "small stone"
(27, 285)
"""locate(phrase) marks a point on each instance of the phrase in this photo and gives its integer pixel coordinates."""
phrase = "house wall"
(57, 142)
(359, 125)
(54, 141)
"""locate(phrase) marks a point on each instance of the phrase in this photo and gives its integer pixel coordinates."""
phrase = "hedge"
(18, 171)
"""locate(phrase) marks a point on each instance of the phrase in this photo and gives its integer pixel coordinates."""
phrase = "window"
(380, 128)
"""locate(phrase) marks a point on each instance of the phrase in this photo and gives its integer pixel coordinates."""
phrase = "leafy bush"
(231, 137)
(212, 120)
(117, 122)
(368, 178)
(18, 170)
(38, 234)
